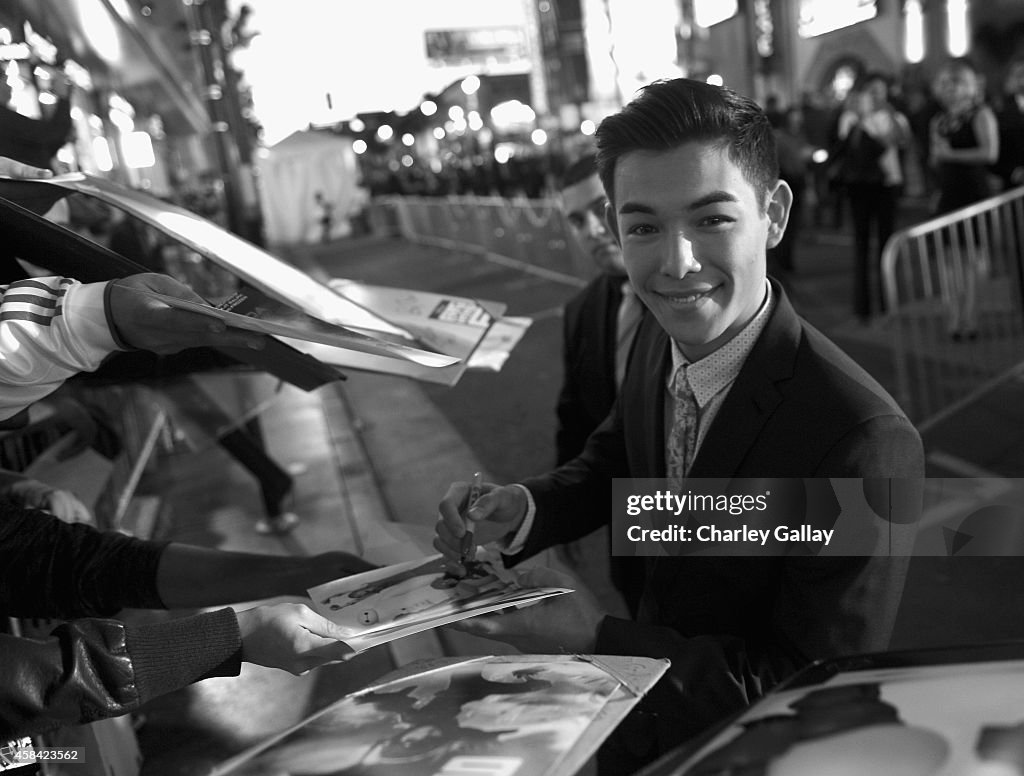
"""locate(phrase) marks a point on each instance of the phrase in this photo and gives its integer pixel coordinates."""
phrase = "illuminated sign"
(820, 16)
(480, 46)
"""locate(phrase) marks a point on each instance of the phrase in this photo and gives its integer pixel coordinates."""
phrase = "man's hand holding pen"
(468, 539)
(492, 516)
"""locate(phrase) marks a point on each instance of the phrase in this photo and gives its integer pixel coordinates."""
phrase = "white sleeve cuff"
(83, 304)
(518, 541)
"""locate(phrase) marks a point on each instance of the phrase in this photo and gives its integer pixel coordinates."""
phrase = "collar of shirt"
(716, 371)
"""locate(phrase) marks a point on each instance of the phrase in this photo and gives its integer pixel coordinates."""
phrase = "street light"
(470, 84)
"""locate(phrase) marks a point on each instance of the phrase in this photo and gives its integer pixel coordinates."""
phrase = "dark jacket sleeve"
(49, 569)
(576, 498)
(711, 678)
(574, 425)
(91, 669)
(34, 141)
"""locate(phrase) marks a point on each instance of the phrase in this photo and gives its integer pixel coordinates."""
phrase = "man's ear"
(613, 225)
(780, 202)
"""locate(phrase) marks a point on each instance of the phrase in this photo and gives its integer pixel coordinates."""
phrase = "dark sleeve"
(833, 606)
(34, 141)
(711, 677)
(573, 422)
(882, 446)
(92, 669)
(50, 569)
(576, 498)
(55, 130)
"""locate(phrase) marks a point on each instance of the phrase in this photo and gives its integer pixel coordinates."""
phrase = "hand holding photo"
(312, 330)
(388, 603)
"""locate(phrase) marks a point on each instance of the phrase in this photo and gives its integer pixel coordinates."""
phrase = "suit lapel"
(644, 400)
(754, 395)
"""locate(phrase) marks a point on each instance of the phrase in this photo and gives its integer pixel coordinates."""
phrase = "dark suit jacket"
(588, 350)
(589, 391)
(734, 627)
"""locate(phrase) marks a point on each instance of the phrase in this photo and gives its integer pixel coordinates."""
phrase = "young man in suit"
(600, 323)
(725, 381)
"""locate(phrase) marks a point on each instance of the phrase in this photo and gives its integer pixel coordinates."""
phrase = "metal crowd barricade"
(530, 233)
(928, 271)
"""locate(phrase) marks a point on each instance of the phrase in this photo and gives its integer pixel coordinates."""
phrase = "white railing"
(968, 264)
(529, 232)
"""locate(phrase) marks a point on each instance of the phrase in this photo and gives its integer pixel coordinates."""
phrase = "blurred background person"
(872, 134)
(324, 211)
(1010, 165)
(794, 157)
(964, 144)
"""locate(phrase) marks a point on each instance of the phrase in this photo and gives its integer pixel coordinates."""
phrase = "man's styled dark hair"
(579, 170)
(669, 113)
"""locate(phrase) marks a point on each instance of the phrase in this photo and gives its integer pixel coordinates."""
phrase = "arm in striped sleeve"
(50, 329)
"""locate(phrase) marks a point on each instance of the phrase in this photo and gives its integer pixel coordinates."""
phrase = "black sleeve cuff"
(114, 332)
(170, 655)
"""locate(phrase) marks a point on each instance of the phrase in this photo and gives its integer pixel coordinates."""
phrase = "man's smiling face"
(694, 234)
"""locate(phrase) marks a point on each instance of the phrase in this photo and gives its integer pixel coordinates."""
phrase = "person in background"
(920, 107)
(1010, 165)
(725, 381)
(324, 210)
(964, 145)
(599, 324)
(794, 157)
(872, 135)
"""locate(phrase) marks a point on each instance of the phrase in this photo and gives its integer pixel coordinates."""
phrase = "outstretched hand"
(149, 324)
(11, 168)
(291, 637)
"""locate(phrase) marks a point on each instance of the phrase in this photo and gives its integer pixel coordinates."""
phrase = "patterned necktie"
(625, 327)
(682, 437)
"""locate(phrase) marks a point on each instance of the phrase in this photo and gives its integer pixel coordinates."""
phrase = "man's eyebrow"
(712, 198)
(634, 207)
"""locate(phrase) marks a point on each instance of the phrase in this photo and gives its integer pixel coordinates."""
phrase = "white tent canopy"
(293, 171)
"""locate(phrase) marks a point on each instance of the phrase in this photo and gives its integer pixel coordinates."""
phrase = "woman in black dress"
(964, 144)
